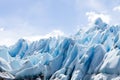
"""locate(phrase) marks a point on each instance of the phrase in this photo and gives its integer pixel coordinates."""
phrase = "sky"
(33, 19)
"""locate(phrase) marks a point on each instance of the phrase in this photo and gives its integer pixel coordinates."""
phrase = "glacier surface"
(93, 54)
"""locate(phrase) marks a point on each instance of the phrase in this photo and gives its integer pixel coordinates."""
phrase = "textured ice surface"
(88, 55)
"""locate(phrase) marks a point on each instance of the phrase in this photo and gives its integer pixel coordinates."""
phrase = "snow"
(4, 65)
(4, 53)
(92, 54)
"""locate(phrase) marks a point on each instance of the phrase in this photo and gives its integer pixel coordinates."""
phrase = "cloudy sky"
(34, 18)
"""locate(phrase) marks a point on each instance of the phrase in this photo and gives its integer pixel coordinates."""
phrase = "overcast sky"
(29, 18)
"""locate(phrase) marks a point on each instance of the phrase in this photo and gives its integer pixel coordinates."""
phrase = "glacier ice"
(93, 54)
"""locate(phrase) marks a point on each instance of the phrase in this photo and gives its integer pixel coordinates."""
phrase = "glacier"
(92, 54)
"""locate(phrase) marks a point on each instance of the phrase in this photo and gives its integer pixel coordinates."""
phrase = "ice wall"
(88, 55)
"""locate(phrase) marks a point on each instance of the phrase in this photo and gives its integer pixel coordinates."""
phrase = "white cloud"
(7, 37)
(7, 41)
(12, 29)
(54, 33)
(92, 16)
(1, 29)
(117, 8)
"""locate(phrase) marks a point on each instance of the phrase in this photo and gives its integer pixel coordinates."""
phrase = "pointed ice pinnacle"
(100, 24)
